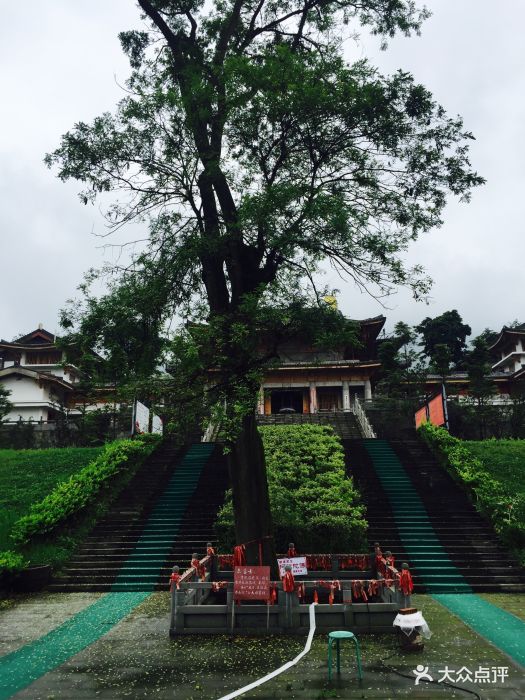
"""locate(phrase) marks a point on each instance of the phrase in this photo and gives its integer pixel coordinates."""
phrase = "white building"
(33, 369)
(509, 349)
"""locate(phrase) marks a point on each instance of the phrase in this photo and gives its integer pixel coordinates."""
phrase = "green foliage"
(118, 334)
(498, 491)
(477, 419)
(478, 362)
(443, 339)
(11, 562)
(503, 459)
(313, 503)
(5, 405)
(251, 172)
(402, 371)
(81, 489)
(20, 436)
(27, 476)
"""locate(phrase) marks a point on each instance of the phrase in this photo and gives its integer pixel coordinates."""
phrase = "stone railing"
(353, 600)
(362, 419)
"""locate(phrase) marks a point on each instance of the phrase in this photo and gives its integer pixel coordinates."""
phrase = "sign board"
(141, 418)
(251, 583)
(298, 565)
(421, 416)
(156, 425)
(436, 410)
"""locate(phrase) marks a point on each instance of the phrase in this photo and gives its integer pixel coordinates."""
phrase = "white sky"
(60, 62)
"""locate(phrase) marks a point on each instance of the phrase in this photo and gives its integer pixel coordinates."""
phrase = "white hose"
(286, 666)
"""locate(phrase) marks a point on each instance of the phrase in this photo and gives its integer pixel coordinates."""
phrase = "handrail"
(362, 419)
(211, 432)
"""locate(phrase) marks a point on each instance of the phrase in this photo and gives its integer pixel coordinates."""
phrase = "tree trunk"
(251, 503)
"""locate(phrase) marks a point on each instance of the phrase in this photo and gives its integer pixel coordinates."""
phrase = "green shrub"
(503, 459)
(11, 562)
(500, 500)
(82, 489)
(27, 476)
(313, 503)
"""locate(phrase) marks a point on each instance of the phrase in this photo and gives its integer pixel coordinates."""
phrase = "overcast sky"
(60, 62)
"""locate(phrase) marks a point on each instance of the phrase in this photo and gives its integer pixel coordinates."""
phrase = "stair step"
(417, 511)
(134, 547)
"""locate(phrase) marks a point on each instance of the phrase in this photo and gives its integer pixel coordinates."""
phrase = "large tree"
(444, 340)
(255, 152)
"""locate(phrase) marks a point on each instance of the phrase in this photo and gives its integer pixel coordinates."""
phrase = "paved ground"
(136, 659)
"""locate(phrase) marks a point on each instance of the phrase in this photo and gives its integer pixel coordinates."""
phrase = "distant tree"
(482, 415)
(5, 404)
(478, 364)
(488, 335)
(444, 340)
(255, 151)
(402, 372)
(517, 414)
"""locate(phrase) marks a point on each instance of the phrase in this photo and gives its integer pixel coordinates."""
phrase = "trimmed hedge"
(313, 502)
(503, 505)
(27, 476)
(82, 489)
(11, 562)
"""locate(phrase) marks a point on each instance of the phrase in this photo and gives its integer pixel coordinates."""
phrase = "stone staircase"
(416, 510)
(344, 424)
(164, 515)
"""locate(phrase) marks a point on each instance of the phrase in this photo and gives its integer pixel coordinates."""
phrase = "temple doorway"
(329, 398)
(287, 401)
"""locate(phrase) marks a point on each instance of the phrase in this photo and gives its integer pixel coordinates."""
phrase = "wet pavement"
(137, 659)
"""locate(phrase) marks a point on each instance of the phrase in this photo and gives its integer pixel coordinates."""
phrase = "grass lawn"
(503, 459)
(26, 476)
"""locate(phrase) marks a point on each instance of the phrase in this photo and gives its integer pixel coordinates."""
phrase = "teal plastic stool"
(337, 636)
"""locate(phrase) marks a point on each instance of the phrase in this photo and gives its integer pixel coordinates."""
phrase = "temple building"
(507, 373)
(33, 369)
(305, 380)
(509, 352)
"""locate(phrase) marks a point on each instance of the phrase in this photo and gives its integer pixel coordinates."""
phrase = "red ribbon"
(358, 591)
(200, 569)
(405, 582)
(332, 585)
(288, 582)
(239, 555)
(323, 562)
(174, 581)
(225, 561)
(373, 587)
(216, 586)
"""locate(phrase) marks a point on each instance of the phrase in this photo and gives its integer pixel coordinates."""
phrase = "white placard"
(156, 424)
(141, 418)
(298, 565)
